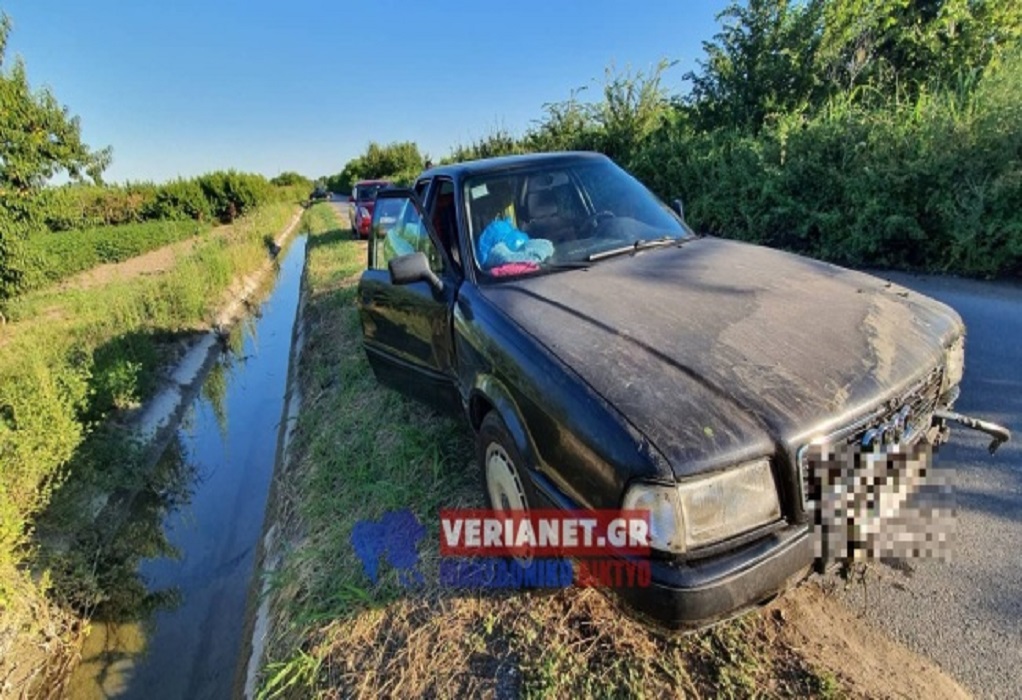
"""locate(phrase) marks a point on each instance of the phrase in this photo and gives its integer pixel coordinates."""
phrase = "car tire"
(505, 481)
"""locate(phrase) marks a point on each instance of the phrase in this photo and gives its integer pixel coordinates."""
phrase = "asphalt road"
(966, 614)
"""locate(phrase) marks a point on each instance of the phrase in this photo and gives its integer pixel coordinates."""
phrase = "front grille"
(904, 419)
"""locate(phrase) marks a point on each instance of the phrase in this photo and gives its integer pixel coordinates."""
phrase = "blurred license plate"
(858, 499)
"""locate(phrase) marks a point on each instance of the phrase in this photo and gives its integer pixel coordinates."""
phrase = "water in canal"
(178, 633)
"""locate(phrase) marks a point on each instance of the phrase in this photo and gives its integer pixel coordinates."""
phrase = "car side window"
(398, 230)
(420, 190)
(443, 216)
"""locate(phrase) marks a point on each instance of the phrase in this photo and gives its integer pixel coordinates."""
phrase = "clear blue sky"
(180, 87)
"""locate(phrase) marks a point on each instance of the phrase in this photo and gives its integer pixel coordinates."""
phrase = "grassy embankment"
(59, 256)
(71, 362)
(360, 451)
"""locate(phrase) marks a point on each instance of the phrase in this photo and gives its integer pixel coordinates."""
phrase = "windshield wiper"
(633, 248)
(566, 265)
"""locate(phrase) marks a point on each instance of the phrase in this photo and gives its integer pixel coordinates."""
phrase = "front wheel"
(504, 479)
(507, 485)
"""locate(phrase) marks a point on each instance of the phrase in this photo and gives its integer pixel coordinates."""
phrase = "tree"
(633, 107)
(393, 161)
(499, 142)
(343, 181)
(290, 178)
(399, 162)
(904, 45)
(39, 138)
(776, 57)
(762, 63)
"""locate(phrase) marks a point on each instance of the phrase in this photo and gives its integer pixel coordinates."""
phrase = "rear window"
(367, 193)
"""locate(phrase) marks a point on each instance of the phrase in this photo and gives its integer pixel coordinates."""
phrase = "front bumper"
(698, 593)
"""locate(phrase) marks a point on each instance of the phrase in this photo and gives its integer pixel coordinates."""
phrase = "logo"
(395, 539)
(513, 549)
(895, 430)
(544, 533)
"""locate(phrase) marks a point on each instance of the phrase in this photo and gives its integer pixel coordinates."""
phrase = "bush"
(930, 182)
(934, 184)
(77, 206)
(218, 196)
(40, 399)
(232, 194)
(180, 199)
(291, 179)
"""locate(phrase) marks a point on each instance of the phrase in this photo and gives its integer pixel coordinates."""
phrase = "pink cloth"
(514, 269)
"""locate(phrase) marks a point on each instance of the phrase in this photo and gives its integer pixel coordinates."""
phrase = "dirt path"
(154, 262)
(151, 263)
(829, 634)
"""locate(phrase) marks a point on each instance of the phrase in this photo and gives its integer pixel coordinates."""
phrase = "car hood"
(717, 350)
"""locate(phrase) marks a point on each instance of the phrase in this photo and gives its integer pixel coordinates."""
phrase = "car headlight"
(664, 506)
(954, 363)
(707, 509)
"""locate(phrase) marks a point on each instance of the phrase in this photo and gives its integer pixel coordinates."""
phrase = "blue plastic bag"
(499, 231)
(501, 244)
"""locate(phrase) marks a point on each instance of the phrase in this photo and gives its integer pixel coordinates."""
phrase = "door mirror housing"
(411, 268)
(678, 207)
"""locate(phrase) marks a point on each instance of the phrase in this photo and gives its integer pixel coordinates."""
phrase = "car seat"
(543, 217)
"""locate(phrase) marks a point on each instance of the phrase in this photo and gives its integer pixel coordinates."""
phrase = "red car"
(363, 199)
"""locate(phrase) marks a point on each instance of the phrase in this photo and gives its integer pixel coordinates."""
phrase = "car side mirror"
(414, 267)
(678, 208)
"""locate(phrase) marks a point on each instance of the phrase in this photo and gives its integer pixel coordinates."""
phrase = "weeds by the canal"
(360, 451)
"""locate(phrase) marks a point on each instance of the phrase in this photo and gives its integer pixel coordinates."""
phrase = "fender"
(493, 391)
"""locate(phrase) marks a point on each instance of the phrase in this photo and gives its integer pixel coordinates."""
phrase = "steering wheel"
(593, 221)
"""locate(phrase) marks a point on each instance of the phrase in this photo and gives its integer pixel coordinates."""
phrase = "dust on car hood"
(718, 350)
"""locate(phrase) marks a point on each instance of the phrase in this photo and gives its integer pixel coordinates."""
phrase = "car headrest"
(541, 204)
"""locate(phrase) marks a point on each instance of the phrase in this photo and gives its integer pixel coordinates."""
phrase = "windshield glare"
(561, 214)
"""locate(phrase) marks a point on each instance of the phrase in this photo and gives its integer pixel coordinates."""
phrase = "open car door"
(406, 321)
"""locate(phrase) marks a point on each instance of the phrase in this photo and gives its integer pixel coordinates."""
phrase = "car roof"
(372, 182)
(491, 165)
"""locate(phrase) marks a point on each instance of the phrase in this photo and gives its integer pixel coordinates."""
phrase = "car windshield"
(562, 215)
(367, 193)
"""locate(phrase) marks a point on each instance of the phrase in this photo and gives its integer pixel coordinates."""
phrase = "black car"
(608, 357)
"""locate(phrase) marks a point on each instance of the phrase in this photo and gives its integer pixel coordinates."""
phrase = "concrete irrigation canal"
(188, 636)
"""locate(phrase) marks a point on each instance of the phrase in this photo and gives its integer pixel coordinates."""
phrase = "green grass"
(361, 450)
(175, 299)
(69, 363)
(57, 256)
